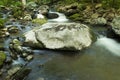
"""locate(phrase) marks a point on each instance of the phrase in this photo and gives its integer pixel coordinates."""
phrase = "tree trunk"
(24, 3)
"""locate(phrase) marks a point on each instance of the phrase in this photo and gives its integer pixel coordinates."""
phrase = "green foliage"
(111, 3)
(15, 6)
(2, 57)
(9, 3)
(39, 21)
(106, 3)
(17, 12)
(17, 9)
(5, 2)
(1, 15)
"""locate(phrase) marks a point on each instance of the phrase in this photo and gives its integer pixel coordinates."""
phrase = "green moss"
(2, 57)
(39, 21)
(76, 17)
(2, 22)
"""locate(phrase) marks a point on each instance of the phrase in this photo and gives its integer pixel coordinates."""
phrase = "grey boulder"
(62, 36)
(116, 25)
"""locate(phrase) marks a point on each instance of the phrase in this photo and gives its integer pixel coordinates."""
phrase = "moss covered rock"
(39, 21)
(2, 57)
(76, 17)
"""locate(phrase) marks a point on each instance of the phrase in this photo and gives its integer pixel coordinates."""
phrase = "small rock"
(13, 29)
(29, 57)
(99, 21)
(24, 55)
(52, 15)
(13, 70)
(21, 74)
(28, 17)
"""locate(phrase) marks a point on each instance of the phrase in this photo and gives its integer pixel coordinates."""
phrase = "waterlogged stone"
(13, 70)
(17, 73)
(29, 57)
(13, 29)
(28, 17)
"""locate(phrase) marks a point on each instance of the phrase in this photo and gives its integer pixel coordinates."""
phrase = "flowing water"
(61, 18)
(101, 61)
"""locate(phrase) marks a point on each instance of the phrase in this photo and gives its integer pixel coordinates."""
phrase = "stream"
(98, 62)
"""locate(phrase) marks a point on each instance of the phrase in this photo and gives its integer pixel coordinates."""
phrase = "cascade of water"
(61, 18)
(109, 44)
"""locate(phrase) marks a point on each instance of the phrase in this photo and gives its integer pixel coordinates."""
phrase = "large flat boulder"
(63, 36)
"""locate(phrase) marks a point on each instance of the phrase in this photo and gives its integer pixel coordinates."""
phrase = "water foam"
(109, 44)
(61, 18)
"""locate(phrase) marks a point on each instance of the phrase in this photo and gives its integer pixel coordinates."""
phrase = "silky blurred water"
(101, 61)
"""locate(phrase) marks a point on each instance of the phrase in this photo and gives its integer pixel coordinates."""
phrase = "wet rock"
(13, 55)
(40, 16)
(2, 71)
(109, 16)
(28, 17)
(13, 29)
(71, 12)
(99, 21)
(30, 40)
(63, 36)
(95, 15)
(98, 5)
(44, 9)
(14, 69)
(21, 74)
(24, 55)
(15, 48)
(17, 45)
(69, 9)
(115, 25)
(17, 72)
(52, 15)
(29, 57)
(4, 33)
(27, 50)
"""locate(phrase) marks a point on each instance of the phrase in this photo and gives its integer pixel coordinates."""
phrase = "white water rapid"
(61, 18)
(109, 44)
